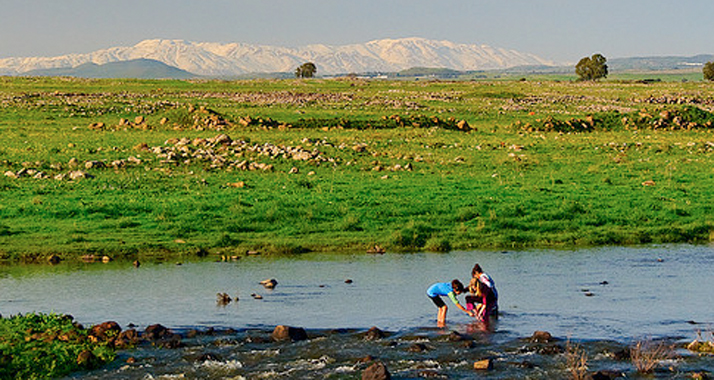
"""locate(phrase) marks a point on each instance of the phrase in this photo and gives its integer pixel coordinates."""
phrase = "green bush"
(46, 346)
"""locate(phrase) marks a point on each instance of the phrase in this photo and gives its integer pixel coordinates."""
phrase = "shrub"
(708, 71)
(45, 346)
(646, 355)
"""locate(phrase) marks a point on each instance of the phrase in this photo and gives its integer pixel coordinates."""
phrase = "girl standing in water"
(436, 291)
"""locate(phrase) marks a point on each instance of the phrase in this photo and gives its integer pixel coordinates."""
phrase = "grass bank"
(133, 168)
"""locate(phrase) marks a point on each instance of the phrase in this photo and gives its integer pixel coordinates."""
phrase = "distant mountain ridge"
(234, 59)
(141, 68)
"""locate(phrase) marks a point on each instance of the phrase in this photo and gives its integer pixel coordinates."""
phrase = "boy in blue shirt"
(436, 291)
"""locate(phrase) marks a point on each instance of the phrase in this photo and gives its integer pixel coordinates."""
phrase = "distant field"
(132, 168)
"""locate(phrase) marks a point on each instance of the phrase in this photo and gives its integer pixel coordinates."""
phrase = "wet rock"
(377, 371)
(484, 365)
(136, 263)
(458, 337)
(283, 333)
(348, 281)
(541, 337)
(374, 333)
(54, 259)
(104, 332)
(160, 336)
(106, 259)
(223, 299)
(256, 296)
(269, 283)
(127, 339)
(418, 347)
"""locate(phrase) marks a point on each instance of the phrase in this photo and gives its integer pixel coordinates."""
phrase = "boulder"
(127, 339)
(105, 331)
(283, 333)
(160, 336)
(377, 371)
(374, 333)
(541, 337)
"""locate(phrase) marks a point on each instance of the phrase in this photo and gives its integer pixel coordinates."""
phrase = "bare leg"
(441, 318)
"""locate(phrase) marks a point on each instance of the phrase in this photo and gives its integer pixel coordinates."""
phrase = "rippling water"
(613, 293)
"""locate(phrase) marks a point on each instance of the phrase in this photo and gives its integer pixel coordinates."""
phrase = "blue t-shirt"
(442, 289)
(439, 289)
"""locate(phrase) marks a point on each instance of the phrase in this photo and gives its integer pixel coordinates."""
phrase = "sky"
(559, 30)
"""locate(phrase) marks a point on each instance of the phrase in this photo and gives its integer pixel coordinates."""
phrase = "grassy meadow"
(133, 168)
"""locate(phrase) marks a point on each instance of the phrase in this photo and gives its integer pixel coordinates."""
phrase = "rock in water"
(283, 333)
(269, 283)
(483, 365)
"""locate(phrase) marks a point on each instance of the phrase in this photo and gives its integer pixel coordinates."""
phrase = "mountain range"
(210, 59)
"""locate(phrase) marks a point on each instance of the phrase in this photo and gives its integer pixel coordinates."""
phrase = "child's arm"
(452, 295)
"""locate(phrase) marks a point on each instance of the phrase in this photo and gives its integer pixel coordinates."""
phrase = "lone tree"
(592, 68)
(306, 70)
(708, 71)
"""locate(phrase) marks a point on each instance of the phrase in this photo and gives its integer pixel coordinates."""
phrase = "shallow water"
(615, 294)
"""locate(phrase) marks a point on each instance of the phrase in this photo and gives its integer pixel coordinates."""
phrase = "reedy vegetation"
(524, 178)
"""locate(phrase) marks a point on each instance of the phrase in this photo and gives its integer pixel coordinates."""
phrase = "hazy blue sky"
(560, 30)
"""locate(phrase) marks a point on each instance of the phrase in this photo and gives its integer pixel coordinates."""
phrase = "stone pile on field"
(222, 152)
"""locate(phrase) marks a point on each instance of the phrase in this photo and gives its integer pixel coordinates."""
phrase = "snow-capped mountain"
(218, 59)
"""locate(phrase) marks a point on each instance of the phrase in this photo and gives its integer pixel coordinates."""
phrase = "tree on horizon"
(306, 70)
(708, 71)
(592, 68)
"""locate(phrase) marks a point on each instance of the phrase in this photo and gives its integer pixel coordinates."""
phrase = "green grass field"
(343, 165)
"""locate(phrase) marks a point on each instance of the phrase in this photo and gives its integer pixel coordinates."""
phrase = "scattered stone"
(648, 183)
(256, 296)
(283, 333)
(270, 283)
(377, 371)
(237, 185)
(78, 174)
(348, 281)
(96, 126)
(376, 249)
(223, 299)
(484, 365)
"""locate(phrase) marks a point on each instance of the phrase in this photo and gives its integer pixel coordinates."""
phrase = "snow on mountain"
(217, 59)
